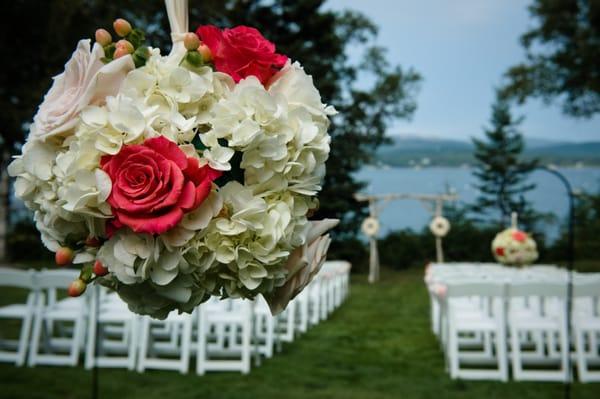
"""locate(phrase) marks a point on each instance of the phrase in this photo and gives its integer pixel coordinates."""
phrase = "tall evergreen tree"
(499, 167)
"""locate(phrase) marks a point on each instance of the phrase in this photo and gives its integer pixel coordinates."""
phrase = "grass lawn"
(377, 345)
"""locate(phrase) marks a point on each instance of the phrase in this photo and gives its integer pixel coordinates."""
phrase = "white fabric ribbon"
(177, 11)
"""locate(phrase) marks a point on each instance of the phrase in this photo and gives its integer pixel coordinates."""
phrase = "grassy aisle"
(377, 345)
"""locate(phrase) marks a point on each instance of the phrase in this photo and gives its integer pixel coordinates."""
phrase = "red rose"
(154, 184)
(241, 52)
(519, 236)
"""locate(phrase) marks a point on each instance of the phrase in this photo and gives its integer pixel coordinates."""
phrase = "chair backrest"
(586, 288)
(16, 278)
(537, 288)
(467, 288)
(55, 278)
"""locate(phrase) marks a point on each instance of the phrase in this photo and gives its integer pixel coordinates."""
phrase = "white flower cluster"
(270, 143)
(514, 247)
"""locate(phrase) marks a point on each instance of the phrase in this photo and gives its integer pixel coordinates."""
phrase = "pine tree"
(500, 167)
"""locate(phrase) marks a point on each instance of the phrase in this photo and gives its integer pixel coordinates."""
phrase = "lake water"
(549, 195)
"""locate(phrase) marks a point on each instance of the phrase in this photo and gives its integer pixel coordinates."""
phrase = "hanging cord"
(505, 207)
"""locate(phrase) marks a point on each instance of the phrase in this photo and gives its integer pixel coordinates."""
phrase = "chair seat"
(58, 313)
(471, 322)
(585, 323)
(15, 311)
(225, 317)
(534, 323)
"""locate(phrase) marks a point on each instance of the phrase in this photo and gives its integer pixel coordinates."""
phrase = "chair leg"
(580, 353)
(501, 354)
(516, 353)
(186, 332)
(23, 339)
(452, 347)
(35, 336)
(246, 347)
(565, 352)
(78, 332)
(143, 344)
(201, 353)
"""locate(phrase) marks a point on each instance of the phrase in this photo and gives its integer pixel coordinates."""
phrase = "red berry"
(64, 256)
(122, 27)
(76, 288)
(205, 52)
(100, 269)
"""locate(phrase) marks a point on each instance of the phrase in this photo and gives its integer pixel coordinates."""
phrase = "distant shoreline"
(467, 166)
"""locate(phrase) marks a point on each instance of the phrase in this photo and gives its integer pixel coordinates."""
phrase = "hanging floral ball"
(370, 226)
(439, 226)
(514, 247)
(174, 178)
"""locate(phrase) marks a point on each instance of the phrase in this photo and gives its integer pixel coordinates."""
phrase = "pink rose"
(86, 80)
(154, 184)
(241, 52)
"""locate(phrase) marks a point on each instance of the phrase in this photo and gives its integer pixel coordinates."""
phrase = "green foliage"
(587, 229)
(24, 243)
(303, 30)
(562, 57)
(500, 169)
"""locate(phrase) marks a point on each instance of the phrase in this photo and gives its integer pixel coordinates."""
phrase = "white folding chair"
(224, 335)
(113, 331)
(15, 350)
(487, 317)
(264, 328)
(152, 355)
(286, 323)
(59, 327)
(314, 301)
(586, 328)
(302, 310)
(547, 318)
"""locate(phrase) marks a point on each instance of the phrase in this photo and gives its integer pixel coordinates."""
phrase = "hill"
(417, 150)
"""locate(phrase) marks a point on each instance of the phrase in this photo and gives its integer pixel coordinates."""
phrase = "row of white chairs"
(491, 318)
(223, 335)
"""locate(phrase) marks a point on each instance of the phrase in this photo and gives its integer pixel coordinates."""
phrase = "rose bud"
(205, 52)
(126, 45)
(92, 241)
(76, 288)
(103, 38)
(122, 27)
(100, 269)
(64, 256)
(191, 41)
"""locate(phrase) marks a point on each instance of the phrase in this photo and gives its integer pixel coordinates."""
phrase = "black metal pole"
(95, 374)
(570, 258)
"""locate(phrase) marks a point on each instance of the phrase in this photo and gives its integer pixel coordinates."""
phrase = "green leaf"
(198, 144)
(109, 51)
(235, 174)
(86, 273)
(136, 37)
(140, 56)
(194, 58)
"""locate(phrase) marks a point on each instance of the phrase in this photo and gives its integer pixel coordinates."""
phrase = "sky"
(462, 48)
